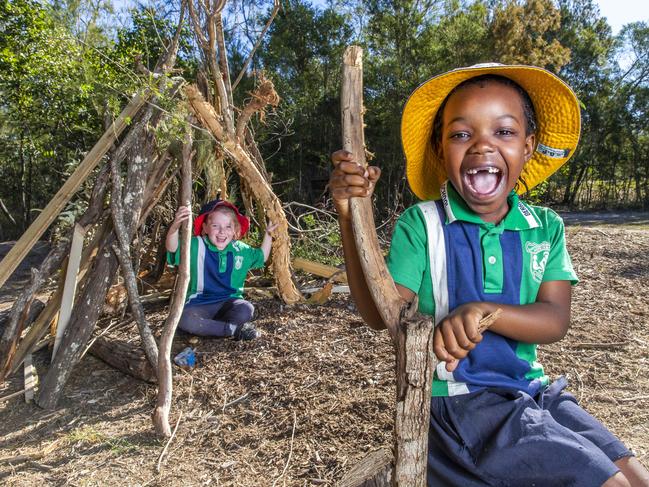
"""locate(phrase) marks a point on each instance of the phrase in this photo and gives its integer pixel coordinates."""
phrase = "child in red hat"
(219, 263)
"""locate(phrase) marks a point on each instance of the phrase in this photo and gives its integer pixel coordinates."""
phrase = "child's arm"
(182, 214)
(348, 179)
(544, 321)
(267, 242)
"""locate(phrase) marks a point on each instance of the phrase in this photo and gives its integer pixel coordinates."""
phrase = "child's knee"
(617, 480)
(241, 310)
(247, 310)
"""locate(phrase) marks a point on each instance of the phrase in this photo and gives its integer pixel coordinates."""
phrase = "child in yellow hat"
(474, 138)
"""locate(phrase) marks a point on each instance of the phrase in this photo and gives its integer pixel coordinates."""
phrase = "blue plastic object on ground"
(186, 358)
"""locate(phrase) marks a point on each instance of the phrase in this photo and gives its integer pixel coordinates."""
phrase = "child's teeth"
(490, 170)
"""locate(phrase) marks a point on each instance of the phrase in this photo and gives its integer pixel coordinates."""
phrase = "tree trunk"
(76, 336)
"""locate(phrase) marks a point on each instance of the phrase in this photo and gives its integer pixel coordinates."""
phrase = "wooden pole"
(22, 247)
(412, 336)
(384, 292)
(165, 382)
(70, 286)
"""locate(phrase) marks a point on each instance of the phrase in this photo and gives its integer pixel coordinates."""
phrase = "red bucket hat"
(207, 208)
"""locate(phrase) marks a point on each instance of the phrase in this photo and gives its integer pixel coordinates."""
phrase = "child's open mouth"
(483, 181)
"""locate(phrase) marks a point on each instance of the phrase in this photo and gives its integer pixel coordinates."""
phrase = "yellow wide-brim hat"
(557, 113)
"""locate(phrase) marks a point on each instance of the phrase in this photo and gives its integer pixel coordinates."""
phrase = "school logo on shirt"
(539, 254)
(238, 262)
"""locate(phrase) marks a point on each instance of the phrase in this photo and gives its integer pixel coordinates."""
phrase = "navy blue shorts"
(502, 438)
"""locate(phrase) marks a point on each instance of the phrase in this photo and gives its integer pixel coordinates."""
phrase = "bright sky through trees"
(621, 12)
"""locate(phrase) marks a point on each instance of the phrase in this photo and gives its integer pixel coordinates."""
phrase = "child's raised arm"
(349, 179)
(267, 242)
(182, 214)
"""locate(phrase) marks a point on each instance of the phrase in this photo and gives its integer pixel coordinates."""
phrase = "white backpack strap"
(436, 257)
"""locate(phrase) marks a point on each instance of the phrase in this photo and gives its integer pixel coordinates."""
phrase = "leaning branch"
(165, 384)
(121, 249)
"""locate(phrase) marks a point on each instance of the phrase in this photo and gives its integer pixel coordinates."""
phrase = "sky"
(621, 12)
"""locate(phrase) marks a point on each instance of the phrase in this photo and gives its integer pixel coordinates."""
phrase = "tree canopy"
(65, 69)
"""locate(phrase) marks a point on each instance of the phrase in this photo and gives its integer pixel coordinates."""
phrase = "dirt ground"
(302, 404)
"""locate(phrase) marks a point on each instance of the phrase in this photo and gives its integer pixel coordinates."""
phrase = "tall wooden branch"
(121, 249)
(412, 334)
(384, 292)
(223, 59)
(198, 28)
(165, 64)
(413, 339)
(17, 319)
(165, 383)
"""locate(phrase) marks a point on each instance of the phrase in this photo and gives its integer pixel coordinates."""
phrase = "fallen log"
(322, 270)
(125, 357)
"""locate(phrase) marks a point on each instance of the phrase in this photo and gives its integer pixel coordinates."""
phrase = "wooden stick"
(30, 379)
(165, 383)
(70, 286)
(322, 270)
(489, 320)
(22, 247)
(382, 288)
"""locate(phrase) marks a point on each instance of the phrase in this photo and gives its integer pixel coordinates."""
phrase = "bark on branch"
(382, 288)
(165, 383)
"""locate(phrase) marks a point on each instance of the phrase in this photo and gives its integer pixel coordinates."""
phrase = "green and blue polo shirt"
(448, 256)
(217, 275)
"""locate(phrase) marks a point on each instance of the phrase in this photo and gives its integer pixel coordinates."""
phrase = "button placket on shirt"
(492, 261)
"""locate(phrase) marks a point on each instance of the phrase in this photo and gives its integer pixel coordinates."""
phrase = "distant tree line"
(66, 66)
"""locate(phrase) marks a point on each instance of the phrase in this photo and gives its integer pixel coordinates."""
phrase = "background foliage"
(67, 66)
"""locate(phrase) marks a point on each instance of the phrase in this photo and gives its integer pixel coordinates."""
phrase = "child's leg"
(634, 471)
(503, 438)
(199, 320)
(235, 311)
(566, 411)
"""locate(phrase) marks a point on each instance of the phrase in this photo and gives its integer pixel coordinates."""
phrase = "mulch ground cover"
(313, 395)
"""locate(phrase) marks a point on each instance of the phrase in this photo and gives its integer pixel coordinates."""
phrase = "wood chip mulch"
(313, 395)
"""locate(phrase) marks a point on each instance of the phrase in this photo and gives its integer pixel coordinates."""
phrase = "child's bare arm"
(171, 242)
(544, 321)
(267, 242)
(349, 179)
